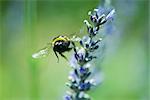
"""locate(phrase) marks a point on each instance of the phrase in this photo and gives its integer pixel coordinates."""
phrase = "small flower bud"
(110, 15)
(68, 97)
(93, 82)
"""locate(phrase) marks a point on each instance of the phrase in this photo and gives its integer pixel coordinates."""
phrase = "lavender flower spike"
(80, 78)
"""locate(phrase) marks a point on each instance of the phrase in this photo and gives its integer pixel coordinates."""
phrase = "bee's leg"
(74, 47)
(63, 56)
(56, 56)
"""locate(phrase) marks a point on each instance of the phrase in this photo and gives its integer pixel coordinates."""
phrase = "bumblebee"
(60, 44)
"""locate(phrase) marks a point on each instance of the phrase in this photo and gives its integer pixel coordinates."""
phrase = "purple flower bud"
(81, 43)
(83, 70)
(110, 15)
(68, 97)
(85, 86)
(96, 47)
(93, 18)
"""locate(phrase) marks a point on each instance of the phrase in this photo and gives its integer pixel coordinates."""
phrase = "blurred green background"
(26, 26)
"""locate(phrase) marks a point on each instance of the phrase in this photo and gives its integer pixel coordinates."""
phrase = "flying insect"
(59, 44)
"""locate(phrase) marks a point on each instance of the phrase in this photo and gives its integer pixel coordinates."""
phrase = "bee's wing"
(42, 53)
(75, 38)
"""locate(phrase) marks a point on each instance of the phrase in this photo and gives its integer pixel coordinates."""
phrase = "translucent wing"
(75, 38)
(42, 53)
